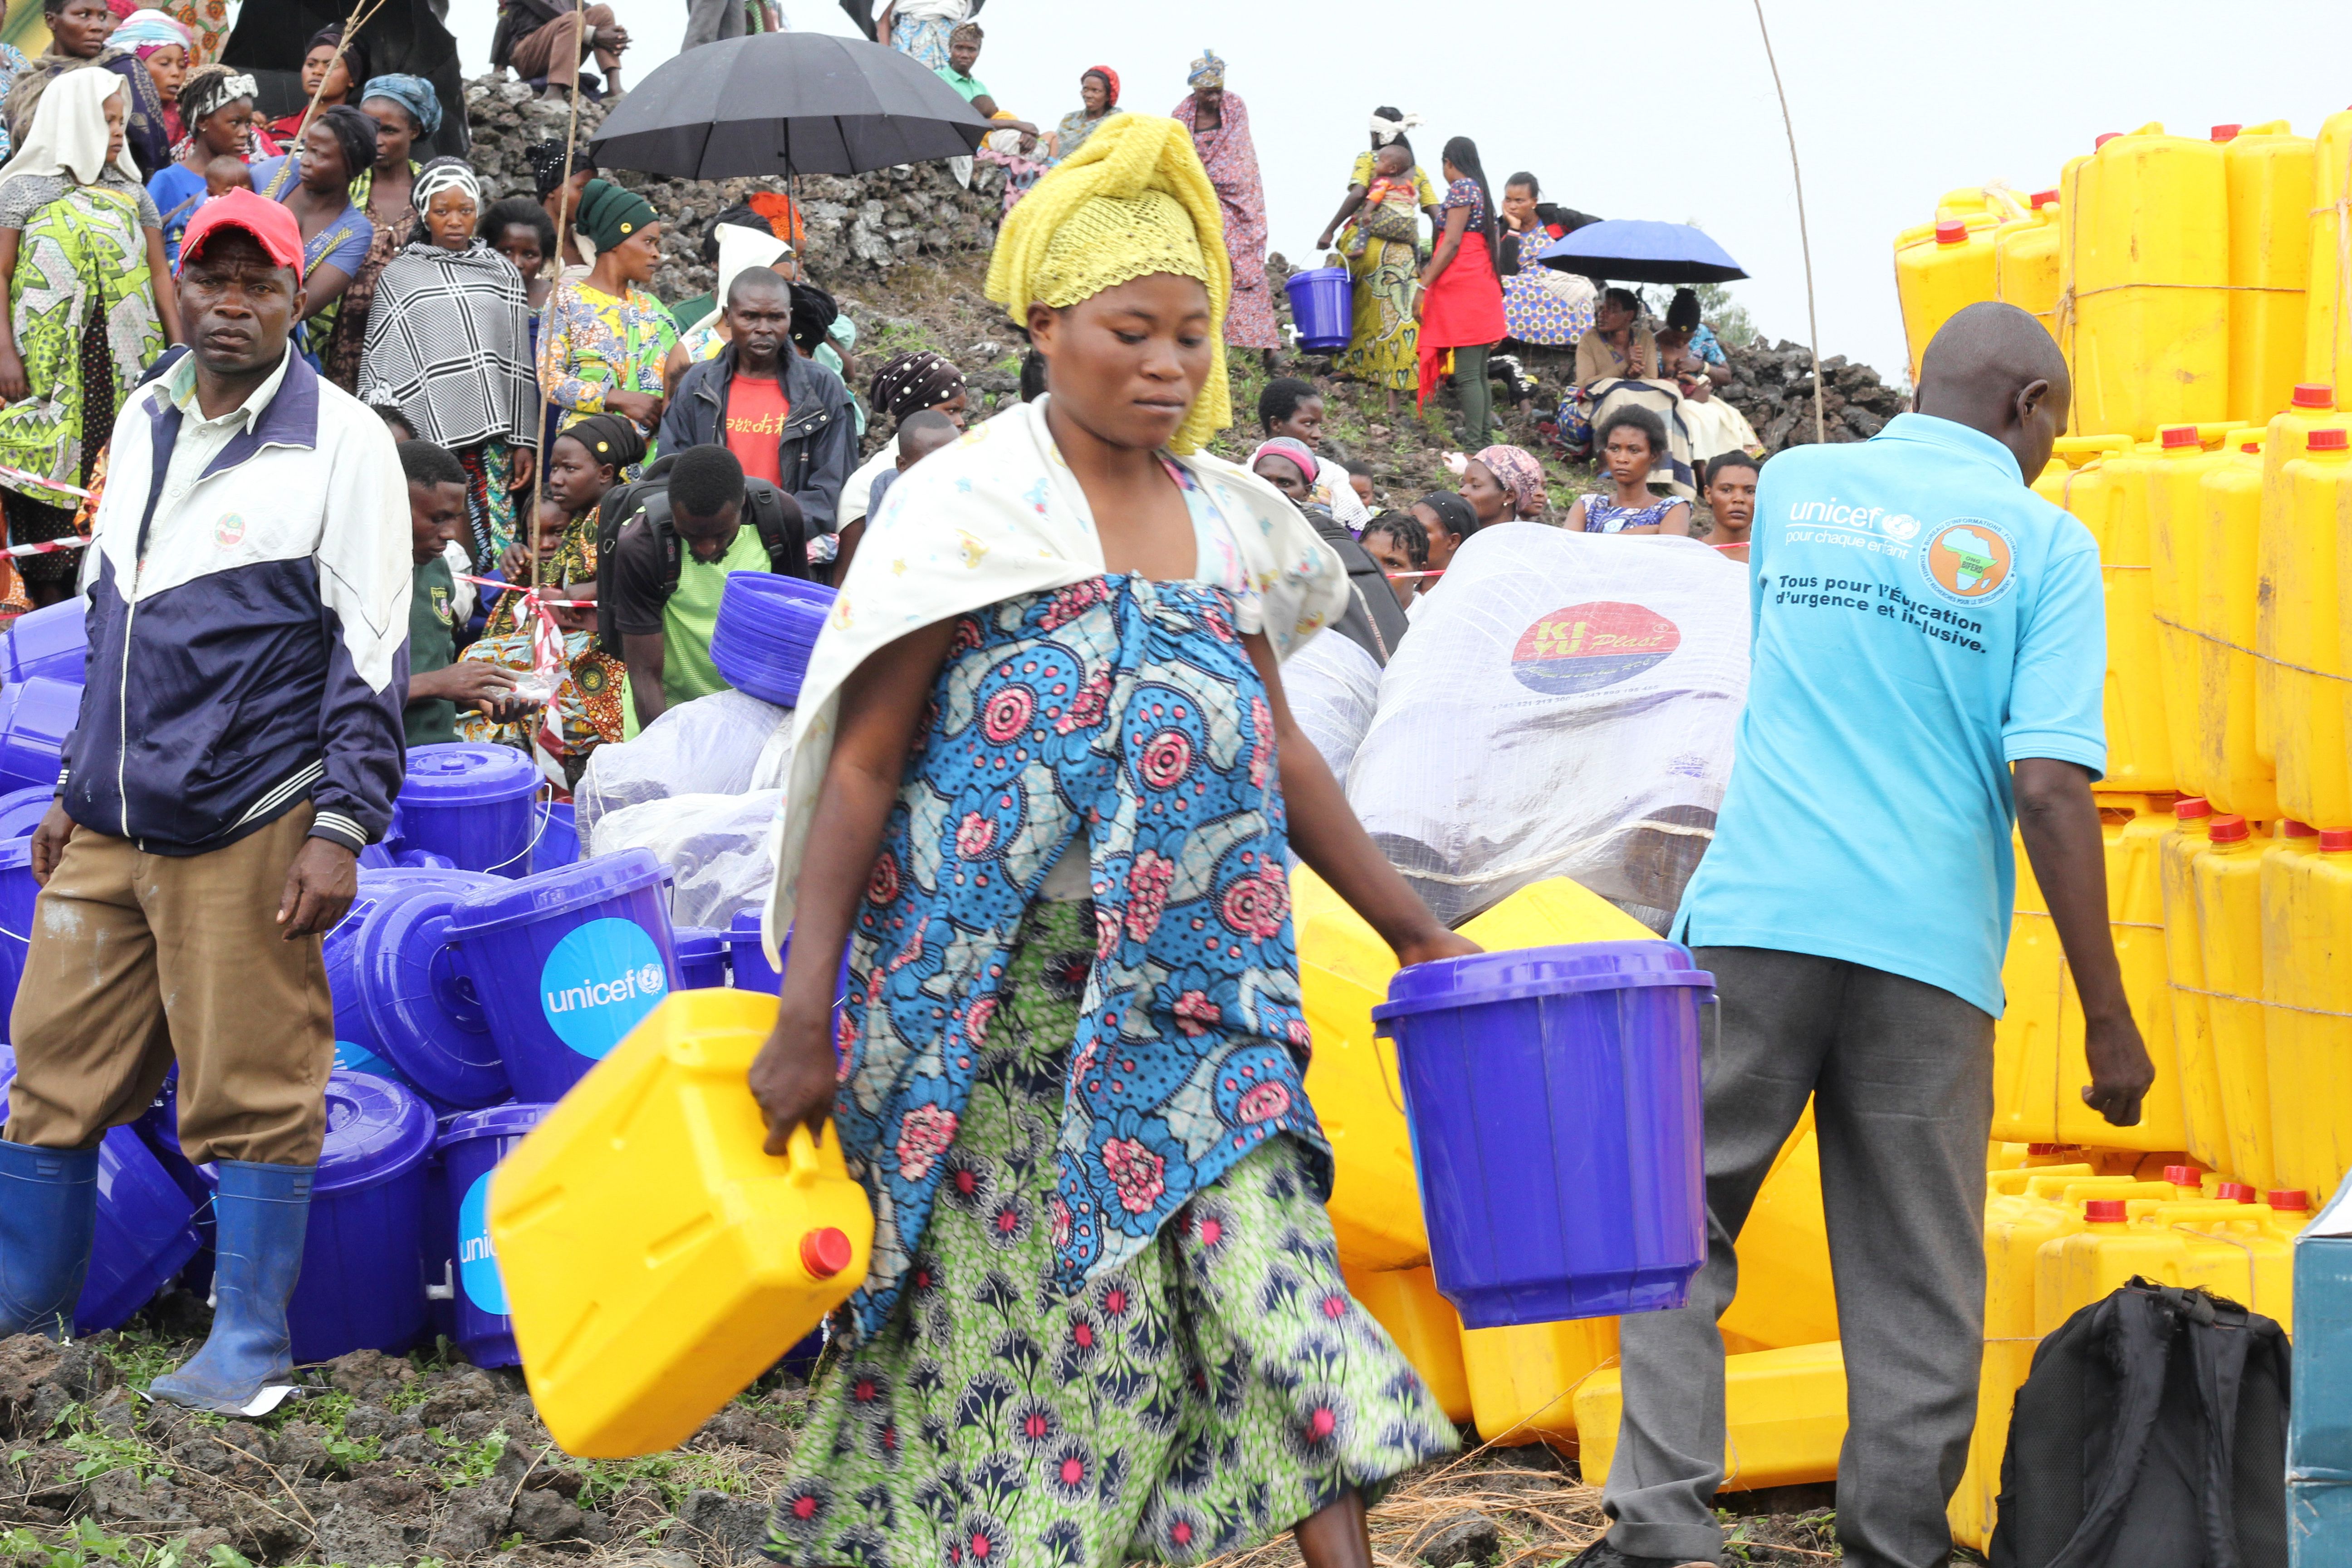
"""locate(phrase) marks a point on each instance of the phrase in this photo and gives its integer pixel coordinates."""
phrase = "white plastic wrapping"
(1333, 686)
(712, 746)
(714, 846)
(1565, 706)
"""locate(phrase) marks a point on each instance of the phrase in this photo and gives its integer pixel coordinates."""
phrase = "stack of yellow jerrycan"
(2025, 261)
(2231, 769)
(2039, 1070)
(2205, 1128)
(2314, 771)
(2282, 443)
(2226, 878)
(1941, 268)
(2267, 171)
(656, 1260)
(1783, 1414)
(2306, 915)
(2168, 487)
(2145, 311)
(2328, 312)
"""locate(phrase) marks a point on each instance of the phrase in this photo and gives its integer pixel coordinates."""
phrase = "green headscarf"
(610, 214)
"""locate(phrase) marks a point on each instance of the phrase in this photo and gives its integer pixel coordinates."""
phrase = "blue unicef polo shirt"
(1920, 621)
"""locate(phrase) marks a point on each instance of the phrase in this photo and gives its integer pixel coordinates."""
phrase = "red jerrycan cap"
(2033, 1149)
(1951, 231)
(826, 1252)
(2235, 1191)
(2290, 828)
(2331, 439)
(2104, 1210)
(2226, 827)
(2226, 133)
(2102, 138)
(2176, 436)
(2181, 1175)
(2313, 394)
(2190, 807)
(2288, 1200)
(2043, 198)
(2334, 840)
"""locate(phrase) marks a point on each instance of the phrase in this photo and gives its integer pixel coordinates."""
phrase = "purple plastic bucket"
(383, 858)
(21, 810)
(1323, 302)
(146, 1226)
(471, 1148)
(401, 1002)
(701, 958)
(52, 642)
(566, 963)
(473, 803)
(362, 1282)
(1553, 1098)
(35, 716)
(749, 960)
(17, 893)
(557, 844)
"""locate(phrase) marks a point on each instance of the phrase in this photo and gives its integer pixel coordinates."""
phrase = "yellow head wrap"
(1132, 200)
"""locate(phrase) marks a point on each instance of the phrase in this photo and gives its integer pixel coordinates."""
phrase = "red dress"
(1464, 309)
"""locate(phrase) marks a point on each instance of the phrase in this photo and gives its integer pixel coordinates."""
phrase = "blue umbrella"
(1632, 250)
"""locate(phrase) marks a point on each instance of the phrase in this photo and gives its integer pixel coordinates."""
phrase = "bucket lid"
(424, 1009)
(516, 1116)
(556, 892)
(21, 810)
(375, 1131)
(745, 924)
(456, 774)
(1538, 971)
(699, 943)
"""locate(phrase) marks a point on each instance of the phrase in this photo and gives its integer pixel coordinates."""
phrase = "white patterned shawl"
(448, 344)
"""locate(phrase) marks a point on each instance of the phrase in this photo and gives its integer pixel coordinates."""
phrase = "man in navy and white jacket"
(239, 742)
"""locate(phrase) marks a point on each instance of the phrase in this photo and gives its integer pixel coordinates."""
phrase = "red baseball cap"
(271, 223)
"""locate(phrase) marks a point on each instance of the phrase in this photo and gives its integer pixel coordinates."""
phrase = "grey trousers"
(1901, 1076)
(707, 21)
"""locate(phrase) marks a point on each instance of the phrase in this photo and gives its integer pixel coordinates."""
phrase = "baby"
(225, 173)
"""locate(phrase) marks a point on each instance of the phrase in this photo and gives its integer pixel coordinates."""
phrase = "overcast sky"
(1667, 110)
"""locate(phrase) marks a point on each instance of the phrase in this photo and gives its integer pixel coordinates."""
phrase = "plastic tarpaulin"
(1333, 686)
(724, 743)
(714, 845)
(1564, 707)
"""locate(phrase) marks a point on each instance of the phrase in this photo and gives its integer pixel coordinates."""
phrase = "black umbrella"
(787, 103)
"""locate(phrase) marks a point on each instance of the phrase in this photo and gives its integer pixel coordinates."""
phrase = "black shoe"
(1600, 1554)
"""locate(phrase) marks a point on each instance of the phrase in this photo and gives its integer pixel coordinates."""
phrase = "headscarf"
(1209, 70)
(1518, 472)
(610, 214)
(413, 93)
(1391, 127)
(1110, 80)
(443, 174)
(967, 30)
(208, 89)
(814, 313)
(742, 248)
(914, 382)
(547, 165)
(1451, 511)
(1291, 450)
(354, 55)
(1133, 200)
(608, 438)
(147, 31)
(67, 135)
(355, 133)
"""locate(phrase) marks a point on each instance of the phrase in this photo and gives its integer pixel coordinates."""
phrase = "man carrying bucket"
(239, 744)
(1929, 652)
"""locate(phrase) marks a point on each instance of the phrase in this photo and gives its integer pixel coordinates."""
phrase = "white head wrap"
(1387, 131)
(741, 248)
(67, 135)
(443, 175)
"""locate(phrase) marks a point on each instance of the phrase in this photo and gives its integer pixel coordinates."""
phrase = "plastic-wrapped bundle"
(712, 745)
(1564, 708)
(1333, 686)
(715, 847)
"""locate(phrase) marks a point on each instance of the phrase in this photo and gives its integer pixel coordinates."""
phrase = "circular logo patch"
(1969, 562)
(600, 982)
(1584, 647)
(477, 1260)
(228, 531)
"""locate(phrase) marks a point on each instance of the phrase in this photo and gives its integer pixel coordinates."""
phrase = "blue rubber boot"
(48, 1216)
(260, 1211)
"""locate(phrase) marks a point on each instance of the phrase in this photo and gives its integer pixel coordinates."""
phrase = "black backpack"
(2151, 1434)
(774, 514)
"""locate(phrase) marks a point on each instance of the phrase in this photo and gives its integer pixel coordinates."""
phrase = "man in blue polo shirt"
(1929, 649)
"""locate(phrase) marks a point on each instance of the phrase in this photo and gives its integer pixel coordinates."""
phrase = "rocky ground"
(426, 1460)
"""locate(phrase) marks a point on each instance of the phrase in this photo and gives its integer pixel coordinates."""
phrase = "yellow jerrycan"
(2315, 769)
(2237, 1239)
(657, 1261)
(2074, 1271)
(2327, 309)
(2039, 1069)
(2025, 262)
(2282, 443)
(2306, 891)
(2148, 292)
(2176, 522)
(1784, 1417)
(2151, 495)
(1344, 969)
(2228, 878)
(1424, 1326)
(1941, 272)
(2204, 1129)
(2268, 170)
(2238, 776)
(1524, 1380)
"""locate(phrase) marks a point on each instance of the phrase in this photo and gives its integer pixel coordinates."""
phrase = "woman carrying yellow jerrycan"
(1044, 787)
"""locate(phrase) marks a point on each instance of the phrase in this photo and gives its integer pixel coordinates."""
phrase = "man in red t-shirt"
(760, 321)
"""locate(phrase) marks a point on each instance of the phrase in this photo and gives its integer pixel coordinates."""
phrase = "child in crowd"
(1293, 408)
(1731, 501)
(439, 684)
(226, 174)
(1447, 522)
(920, 434)
(1400, 544)
(1631, 440)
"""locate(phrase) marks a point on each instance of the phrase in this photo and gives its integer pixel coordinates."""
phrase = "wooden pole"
(1812, 321)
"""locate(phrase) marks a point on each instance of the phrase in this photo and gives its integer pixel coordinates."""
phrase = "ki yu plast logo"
(1583, 648)
(598, 983)
(477, 1260)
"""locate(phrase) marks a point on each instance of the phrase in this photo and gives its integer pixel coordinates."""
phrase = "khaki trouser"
(553, 51)
(138, 958)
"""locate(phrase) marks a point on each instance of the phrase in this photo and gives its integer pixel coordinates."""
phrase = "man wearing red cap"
(239, 742)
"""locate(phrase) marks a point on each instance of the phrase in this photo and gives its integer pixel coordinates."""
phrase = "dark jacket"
(1374, 621)
(817, 450)
(1558, 222)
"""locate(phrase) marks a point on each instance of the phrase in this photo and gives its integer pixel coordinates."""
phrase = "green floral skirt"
(1214, 1393)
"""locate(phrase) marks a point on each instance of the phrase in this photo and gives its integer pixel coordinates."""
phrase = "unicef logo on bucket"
(477, 1260)
(1584, 647)
(600, 980)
